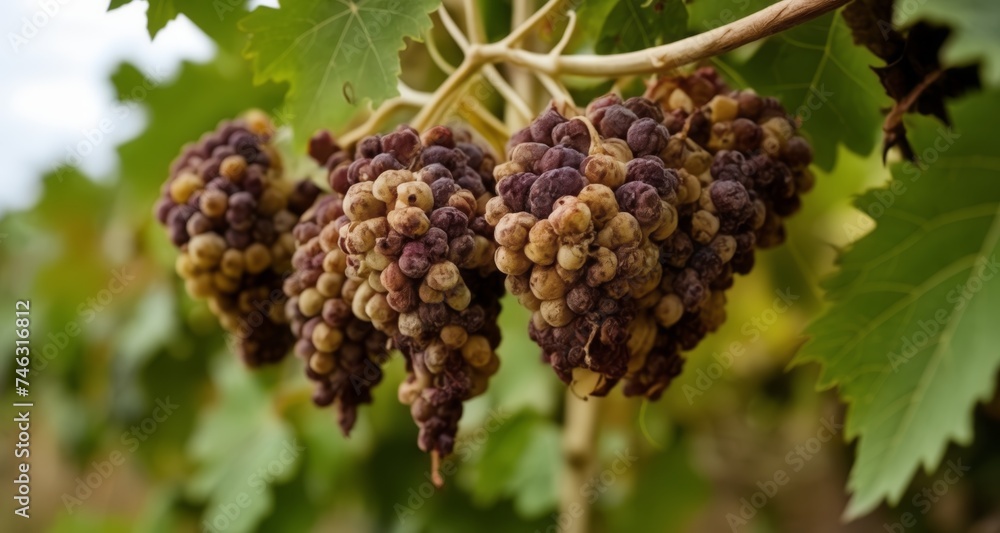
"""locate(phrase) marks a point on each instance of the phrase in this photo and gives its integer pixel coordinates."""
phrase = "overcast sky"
(54, 85)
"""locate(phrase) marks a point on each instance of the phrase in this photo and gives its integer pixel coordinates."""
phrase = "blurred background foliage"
(238, 437)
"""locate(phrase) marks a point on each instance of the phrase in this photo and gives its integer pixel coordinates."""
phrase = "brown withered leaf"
(871, 25)
(912, 75)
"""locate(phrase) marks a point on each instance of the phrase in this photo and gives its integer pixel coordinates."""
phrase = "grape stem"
(407, 98)
(555, 88)
(764, 23)
(579, 433)
(473, 22)
(489, 71)
(520, 79)
(436, 56)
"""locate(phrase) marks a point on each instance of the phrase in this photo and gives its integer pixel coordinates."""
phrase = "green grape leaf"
(217, 18)
(334, 55)
(628, 25)
(243, 448)
(520, 460)
(824, 79)
(911, 336)
(534, 483)
(671, 506)
(160, 12)
(976, 35)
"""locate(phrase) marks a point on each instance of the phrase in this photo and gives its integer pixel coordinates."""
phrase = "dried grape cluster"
(228, 209)
(343, 353)
(418, 263)
(622, 228)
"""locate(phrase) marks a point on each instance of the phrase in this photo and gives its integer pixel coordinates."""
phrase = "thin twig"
(555, 89)
(436, 56)
(408, 97)
(443, 93)
(456, 33)
(567, 34)
(490, 120)
(472, 22)
(766, 22)
(520, 31)
(522, 81)
(492, 74)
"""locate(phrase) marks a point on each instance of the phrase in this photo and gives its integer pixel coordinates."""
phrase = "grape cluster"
(230, 212)
(419, 262)
(623, 227)
(343, 354)
(583, 207)
(752, 168)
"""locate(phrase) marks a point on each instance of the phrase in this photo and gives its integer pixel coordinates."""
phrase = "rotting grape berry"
(579, 234)
(414, 236)
(622, 228)
(343, 354)
(228, 208)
